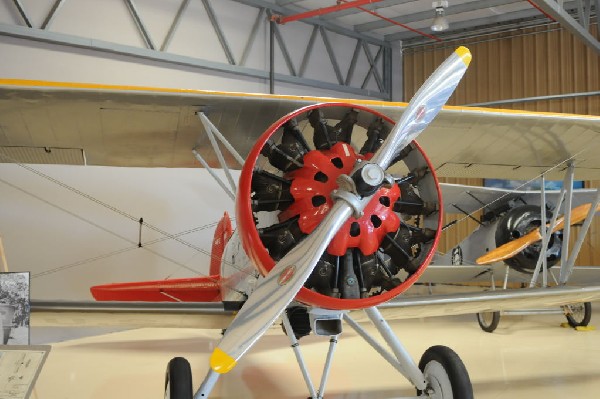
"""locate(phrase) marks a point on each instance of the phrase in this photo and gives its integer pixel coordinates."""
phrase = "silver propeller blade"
(284, 281)
(424, 106)
(276, 291)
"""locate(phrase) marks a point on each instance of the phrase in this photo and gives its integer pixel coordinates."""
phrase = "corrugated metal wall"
(527, 63)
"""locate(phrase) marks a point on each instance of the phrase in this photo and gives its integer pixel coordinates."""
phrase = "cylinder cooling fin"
(285, 191)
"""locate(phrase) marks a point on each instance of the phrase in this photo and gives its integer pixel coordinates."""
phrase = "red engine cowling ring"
(257, 252)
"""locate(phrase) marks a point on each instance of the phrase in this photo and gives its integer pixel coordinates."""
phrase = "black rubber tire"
(178, 379)
(452, 371)
(488, 326)
(585, 320)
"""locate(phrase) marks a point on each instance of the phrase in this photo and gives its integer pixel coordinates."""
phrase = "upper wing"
(136, 126)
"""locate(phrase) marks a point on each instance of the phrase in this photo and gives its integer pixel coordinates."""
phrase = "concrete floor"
(526, 357)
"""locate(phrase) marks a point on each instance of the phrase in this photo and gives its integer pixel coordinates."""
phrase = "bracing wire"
(74, 190)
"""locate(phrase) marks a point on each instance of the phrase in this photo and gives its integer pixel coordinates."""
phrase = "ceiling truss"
(369, 23)
(160, 52)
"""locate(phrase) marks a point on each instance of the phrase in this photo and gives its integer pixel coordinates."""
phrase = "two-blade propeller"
(288, 276)
(513, 247)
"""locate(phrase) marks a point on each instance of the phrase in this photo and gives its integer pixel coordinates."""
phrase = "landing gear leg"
(440, 373)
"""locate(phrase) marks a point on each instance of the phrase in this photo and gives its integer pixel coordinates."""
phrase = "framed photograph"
(14, 308)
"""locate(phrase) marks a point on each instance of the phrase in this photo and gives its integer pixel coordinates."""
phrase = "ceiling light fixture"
(439, 23)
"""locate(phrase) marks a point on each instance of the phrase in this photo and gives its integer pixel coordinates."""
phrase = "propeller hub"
(368, 178)
(319, 179)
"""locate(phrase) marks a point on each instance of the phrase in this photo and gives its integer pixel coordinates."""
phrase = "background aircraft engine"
(518, 222)
(285, 191)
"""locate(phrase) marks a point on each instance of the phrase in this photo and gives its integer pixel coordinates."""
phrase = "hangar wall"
(524, 63)
(100, 42)
(73, 227)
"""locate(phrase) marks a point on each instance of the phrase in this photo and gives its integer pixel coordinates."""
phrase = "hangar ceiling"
(410, 21)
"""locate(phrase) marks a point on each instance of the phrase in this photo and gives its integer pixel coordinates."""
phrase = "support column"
(396, 72)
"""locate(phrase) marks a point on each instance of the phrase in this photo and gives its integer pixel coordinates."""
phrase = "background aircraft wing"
(49, 122)
(471, 198)
(406, 307)
(472, 274)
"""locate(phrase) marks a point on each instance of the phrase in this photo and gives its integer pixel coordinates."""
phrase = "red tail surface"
(195, 289)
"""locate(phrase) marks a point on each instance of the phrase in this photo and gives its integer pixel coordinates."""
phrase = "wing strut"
(213, 134)
(565, 191)
(580, 237)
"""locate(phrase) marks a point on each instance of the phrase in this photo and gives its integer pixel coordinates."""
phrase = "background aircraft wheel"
(580, 314)
(178, 379)
(488, 321)
(445, 373)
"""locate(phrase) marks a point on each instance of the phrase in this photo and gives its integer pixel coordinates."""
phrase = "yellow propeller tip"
(464, 54)
(221, 362)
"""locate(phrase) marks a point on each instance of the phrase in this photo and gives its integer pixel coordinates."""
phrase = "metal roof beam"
(252, 37)
(174, 24)
(284, 50)
(470, 24)
(373, 67)
(378, 40)
(429, 14)
(220, 35)
(308, 52)
(286, 2)
(329, 49)
(22, 13)
(282, 19)
(561, 16)
(371, 7)
(52, 14)
(352, 67)
(45, 36)
(139, 24)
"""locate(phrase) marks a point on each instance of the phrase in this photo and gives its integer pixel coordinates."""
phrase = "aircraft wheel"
(488, 321)
(446, 374)
(178, 379)
(579, 314)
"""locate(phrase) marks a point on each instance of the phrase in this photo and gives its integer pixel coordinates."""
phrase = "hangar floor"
(526, 357)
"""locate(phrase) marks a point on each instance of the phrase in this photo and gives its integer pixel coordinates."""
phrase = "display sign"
(19, 369)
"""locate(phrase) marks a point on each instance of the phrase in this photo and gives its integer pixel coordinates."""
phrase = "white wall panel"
(46, 227)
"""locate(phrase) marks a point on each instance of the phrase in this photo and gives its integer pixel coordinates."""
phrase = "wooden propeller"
(513, 247)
